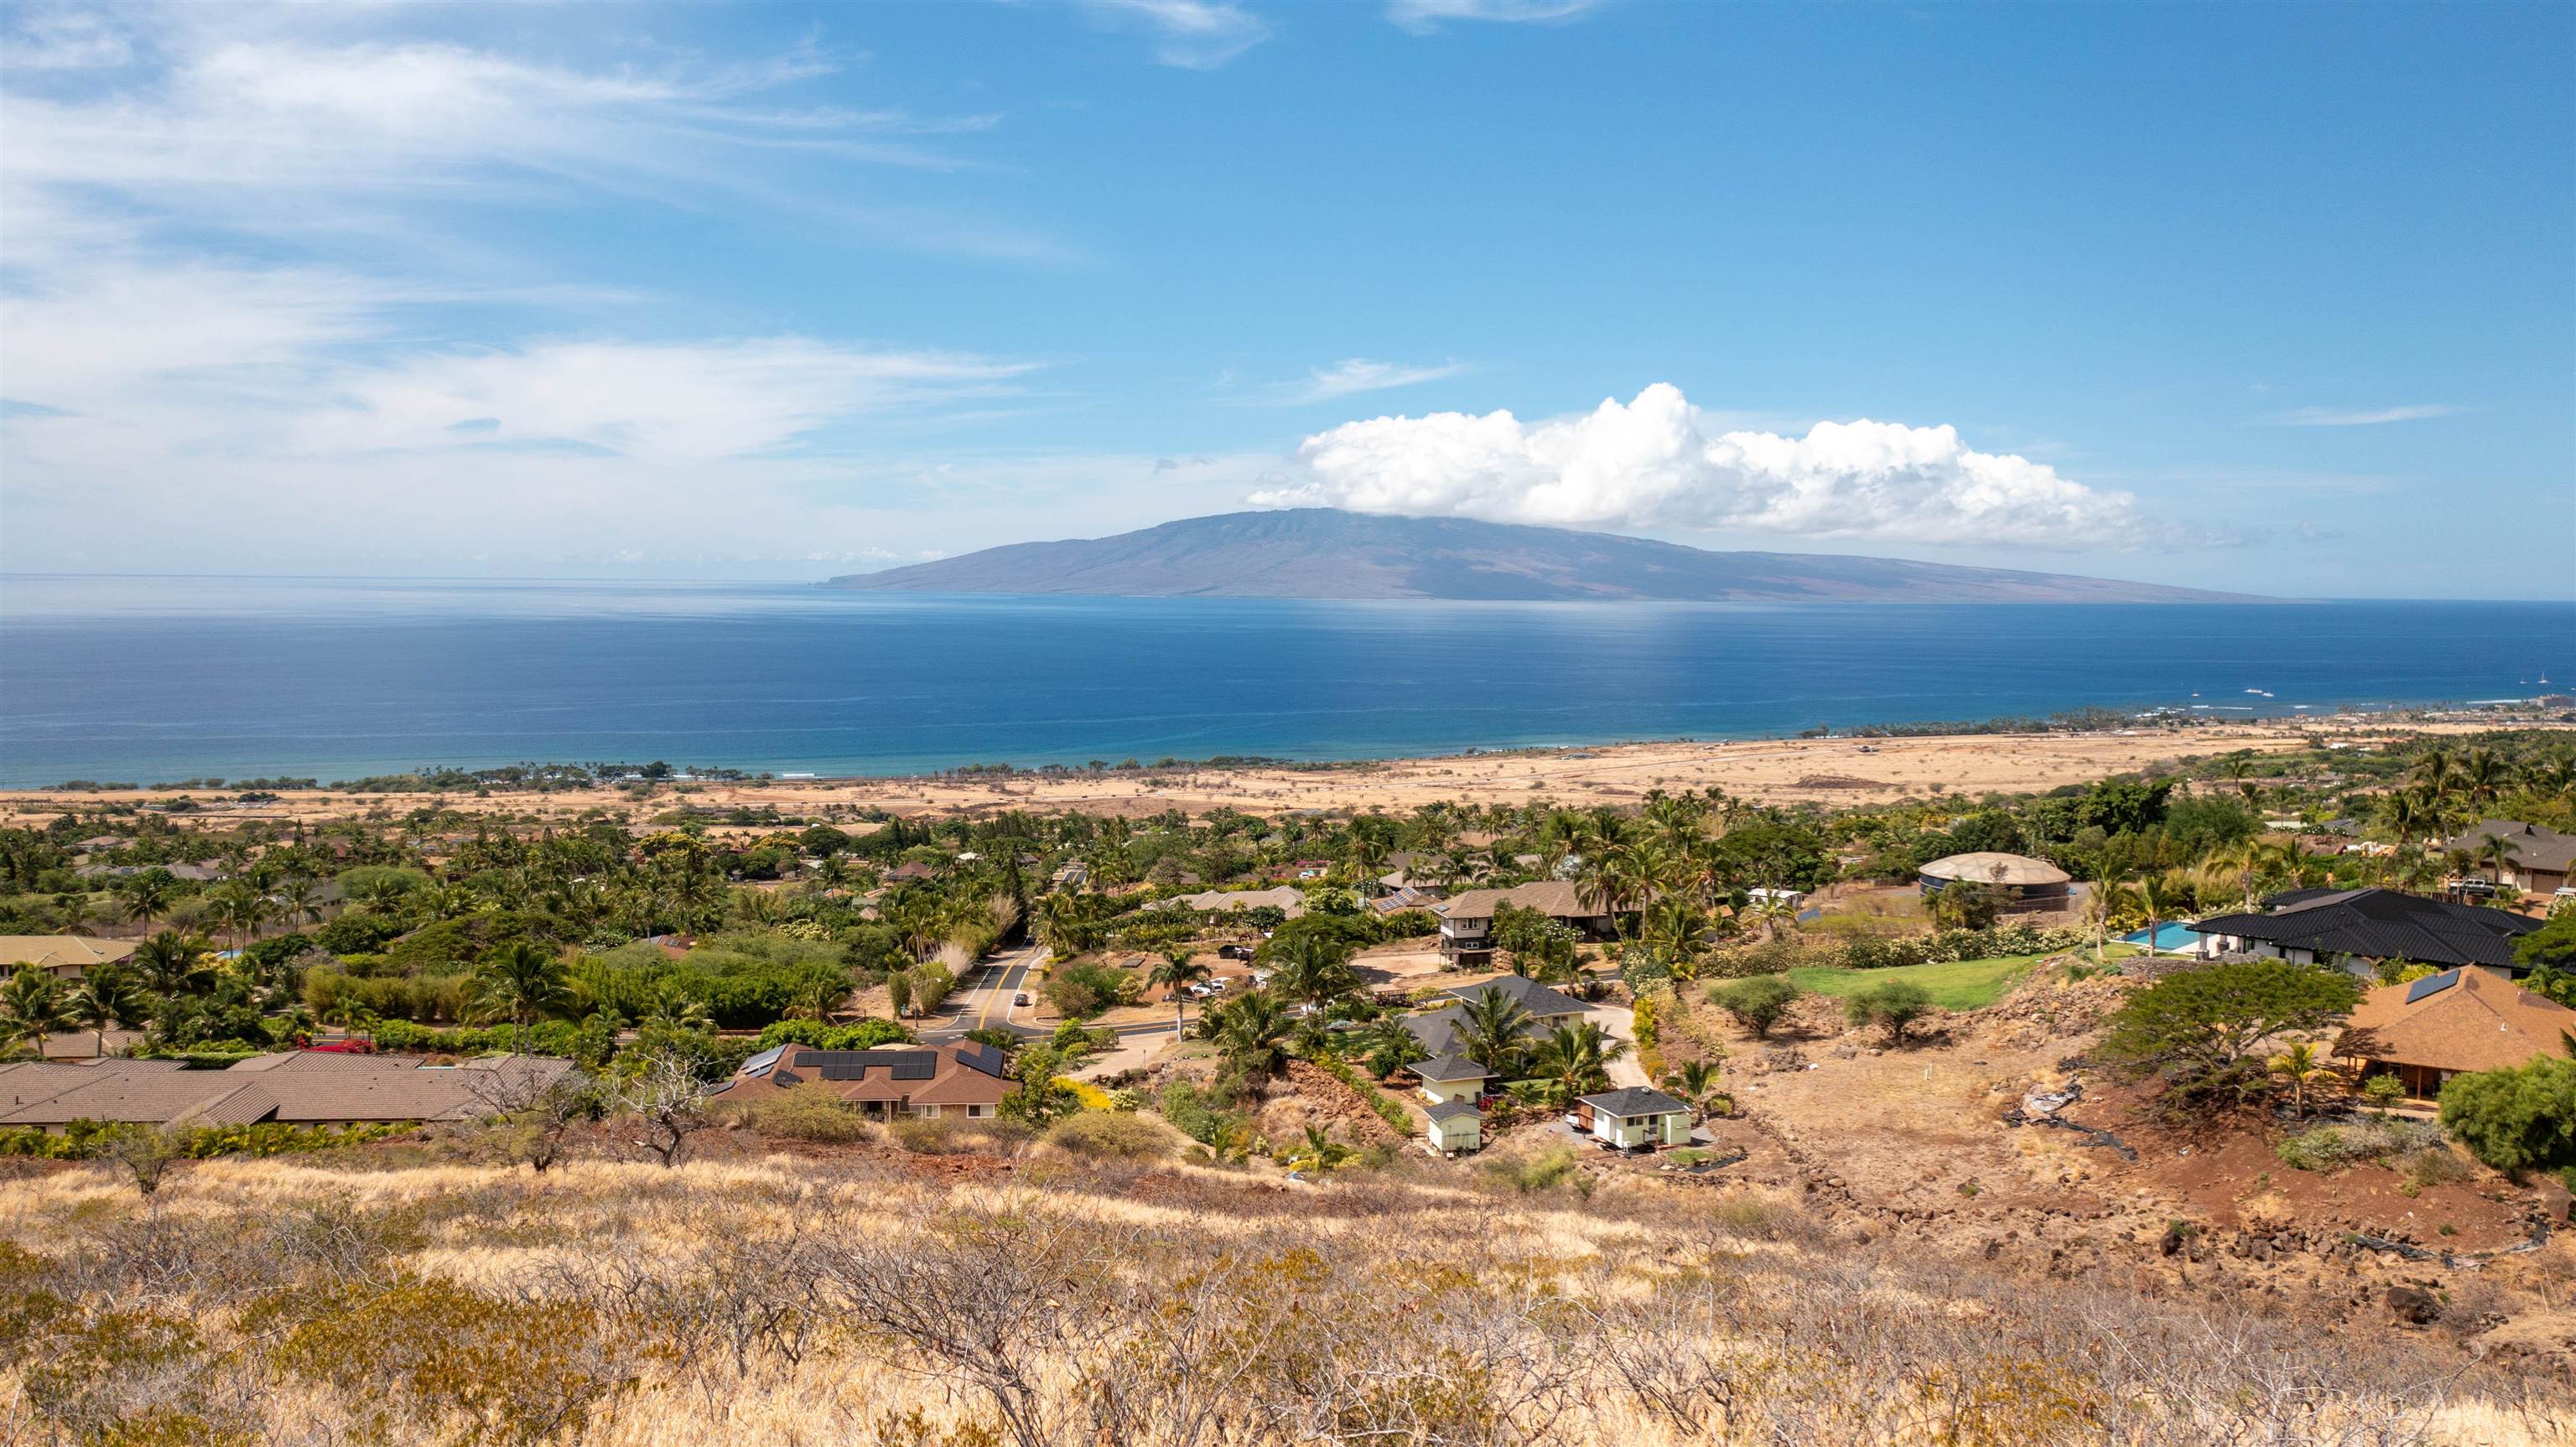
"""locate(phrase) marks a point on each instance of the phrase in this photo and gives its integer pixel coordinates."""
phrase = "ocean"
(146, 680)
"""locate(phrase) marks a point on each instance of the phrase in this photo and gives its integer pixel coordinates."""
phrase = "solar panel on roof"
(916, 1065)
(788, 1077)
(765, 1059)
(2431, 985)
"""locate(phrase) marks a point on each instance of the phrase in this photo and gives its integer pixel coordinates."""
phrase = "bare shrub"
(668, 1103)
(1122, 1135)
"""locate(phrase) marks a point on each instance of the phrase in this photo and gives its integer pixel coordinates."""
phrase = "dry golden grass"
(794, 1302)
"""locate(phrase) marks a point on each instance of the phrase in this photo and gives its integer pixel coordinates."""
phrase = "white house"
(1634, 1118)
(1454, 1126)
(1446, 1078)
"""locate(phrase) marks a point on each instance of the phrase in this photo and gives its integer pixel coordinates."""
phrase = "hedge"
(83, 1139)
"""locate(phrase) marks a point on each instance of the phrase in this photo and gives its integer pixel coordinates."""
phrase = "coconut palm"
(32, 1006)
(2497, 852)
(144, 895)
(1694, 1080)
(1490, 1031)
(1311, 968)
(1251, 1032)
(523, 980)
(1389, 1047)
(1318, 1152)
(172, 964)
(1574, 1059)
(2304, 1068)
(1176, 970)
(106, 995)
(2161, 896)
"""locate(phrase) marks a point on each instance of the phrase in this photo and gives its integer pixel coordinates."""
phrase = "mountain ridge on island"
(1328, 553)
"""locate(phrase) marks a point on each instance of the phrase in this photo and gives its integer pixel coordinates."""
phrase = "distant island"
(1328, 553)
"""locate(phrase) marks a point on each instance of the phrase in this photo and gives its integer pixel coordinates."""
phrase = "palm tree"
(300, 901)
(2483, 775)
(2304, 1067)
(1177, 970)
(1318, 1152)
(1251, 1032)
(523, 980)
(1490, 1029)
(1311, 968)
(32, 1007)
(2497, 852)
(1694, 1080)
(1389, 1047)
(172, 964)
(2161, 896)
(104, 997)
(144, 895)
(1574, 1059)
(242, 910)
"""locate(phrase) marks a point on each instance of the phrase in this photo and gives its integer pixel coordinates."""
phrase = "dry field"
(862, 1296)
(1840, 771)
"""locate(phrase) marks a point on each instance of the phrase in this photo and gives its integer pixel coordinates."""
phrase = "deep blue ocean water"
(144, 680)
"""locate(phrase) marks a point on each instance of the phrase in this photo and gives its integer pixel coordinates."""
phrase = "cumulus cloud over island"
(1657, 462)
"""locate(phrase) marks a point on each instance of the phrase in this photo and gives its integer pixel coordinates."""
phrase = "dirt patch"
(1304, 1095)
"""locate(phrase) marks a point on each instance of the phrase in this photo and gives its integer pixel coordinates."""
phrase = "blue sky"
(2274, 298)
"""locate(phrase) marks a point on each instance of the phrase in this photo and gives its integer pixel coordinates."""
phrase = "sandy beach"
(1775, 771)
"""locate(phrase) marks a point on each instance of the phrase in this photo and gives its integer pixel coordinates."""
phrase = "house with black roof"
(2359, 929)
(1633, 1118)
(1546, 1008)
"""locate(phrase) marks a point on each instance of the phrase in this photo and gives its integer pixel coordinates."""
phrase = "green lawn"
(1964, 985)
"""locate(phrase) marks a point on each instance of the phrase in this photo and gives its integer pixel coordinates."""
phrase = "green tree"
(33, 1006)
(1177, 970)
(1251, 1032)
(1492, 1030)
(106, 995)
(1389, 1047)
(1311, 967)
(2303, 1067)
(146, 894)
(2515, 1120)
(172, 965)
(1758, 1002)
(524, 981)
(1317, 1153)
(1042, 1096)
(2195, 1030)
(1574, 1059)
(1893, 1006)
(2552, 945)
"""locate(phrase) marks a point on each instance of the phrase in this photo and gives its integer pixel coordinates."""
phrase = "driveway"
(1620, 1021)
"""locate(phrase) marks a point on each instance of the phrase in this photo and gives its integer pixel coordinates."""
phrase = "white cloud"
(1356, 375)
(1193, 34)
(1424, 16)
(2334, 417)
(1660, 462)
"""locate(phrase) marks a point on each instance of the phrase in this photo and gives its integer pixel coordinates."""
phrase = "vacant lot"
(1962, 985)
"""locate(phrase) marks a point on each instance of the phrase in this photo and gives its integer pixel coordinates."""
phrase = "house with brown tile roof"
(965, 1078)
(2428, 1030)
(62, 955)
(2542, 861)
(297, 1088)
(1467, 919)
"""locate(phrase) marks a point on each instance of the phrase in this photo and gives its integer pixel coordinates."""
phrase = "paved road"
(986, 1005)
(1619, 1021)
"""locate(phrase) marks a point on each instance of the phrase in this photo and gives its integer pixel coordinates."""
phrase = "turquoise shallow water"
(145, 680)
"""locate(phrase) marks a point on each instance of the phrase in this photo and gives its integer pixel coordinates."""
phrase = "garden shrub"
(822, 1035)
(1122, 1135)
(808, 1112)
(2351, 1143)
(2515, 1120)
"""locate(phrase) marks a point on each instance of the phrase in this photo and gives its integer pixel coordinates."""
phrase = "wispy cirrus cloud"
(1355, 375)
(2363, 417)
(1192, 34)
(1425, 16)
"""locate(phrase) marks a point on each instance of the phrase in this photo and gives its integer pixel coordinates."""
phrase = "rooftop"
(2380, 924)
(1633, 1101)
(1985, 866)
(2457, 1020)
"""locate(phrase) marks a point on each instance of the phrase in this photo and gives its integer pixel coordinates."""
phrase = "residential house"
(2428, 1030)
(2362, 928)
(908, 871)
(1453, 1126)
(1402, 898)
(1438, 1030)
(1421, 873)
(963, 1079)
(295, 1087)
(1311, 869)
(1467, 920)
(65, 956)
(1633, 1118)
(1447, 1078)
(1283, 898)
(74, 1045)
(2542, 858)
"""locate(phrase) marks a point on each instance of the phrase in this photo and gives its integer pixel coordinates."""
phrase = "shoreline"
(1842, 769)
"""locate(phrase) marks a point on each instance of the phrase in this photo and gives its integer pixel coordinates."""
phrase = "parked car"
(1234, 952)
(1021, 998)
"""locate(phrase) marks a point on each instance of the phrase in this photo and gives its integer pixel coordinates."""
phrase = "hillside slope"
(1326, 553)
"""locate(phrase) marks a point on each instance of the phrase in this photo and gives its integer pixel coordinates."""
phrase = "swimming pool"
(2169, 936)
